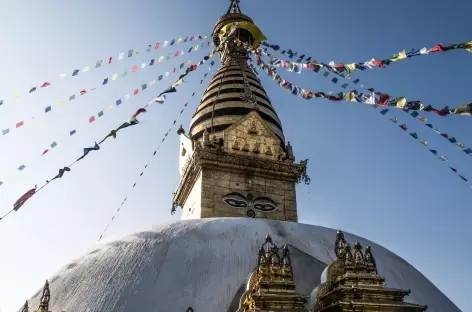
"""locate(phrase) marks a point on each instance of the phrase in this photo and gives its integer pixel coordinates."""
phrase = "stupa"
(237, 198)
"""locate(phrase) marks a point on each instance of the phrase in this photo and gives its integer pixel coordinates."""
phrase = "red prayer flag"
(339, 67)
(404, 127)
(45, 151)
(22, 200)
(21, 123)
(110, 59)
(437, 48)
(44, 85)
(156, 46)
(92, 119)
(174, 70)
(378, 63)
(176, 53)
(136, 91)
(384, 99)
(83, 92)
(134, 68)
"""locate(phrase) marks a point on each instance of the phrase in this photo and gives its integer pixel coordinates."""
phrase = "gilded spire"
(25, 307)
(46, 296)
(234, 7)
(354, 272)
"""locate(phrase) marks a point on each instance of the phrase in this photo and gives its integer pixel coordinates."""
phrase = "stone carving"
(245, 147)
(253, 128)
(268, 151)
(257, 147)
(236, 145)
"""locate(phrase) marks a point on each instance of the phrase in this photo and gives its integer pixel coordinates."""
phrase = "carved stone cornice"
(211, 158)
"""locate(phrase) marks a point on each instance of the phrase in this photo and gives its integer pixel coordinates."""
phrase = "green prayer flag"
(53, 144)
(100, 113)
(414, 135)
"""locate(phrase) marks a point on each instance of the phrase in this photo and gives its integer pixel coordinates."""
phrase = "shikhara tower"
(235, 161)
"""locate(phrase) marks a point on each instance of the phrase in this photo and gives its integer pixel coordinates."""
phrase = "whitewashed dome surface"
(205, 264)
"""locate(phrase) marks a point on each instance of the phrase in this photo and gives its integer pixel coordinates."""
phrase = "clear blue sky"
(368, 177)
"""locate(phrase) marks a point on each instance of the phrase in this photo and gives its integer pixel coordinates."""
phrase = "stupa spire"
(236, 162)
(234, 7)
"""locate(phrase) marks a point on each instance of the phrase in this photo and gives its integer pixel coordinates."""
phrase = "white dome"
(205, 264)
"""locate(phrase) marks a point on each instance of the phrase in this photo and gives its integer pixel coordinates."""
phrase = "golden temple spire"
(25, 307)
(45, 297)
(271, 285)
(354, 271)
(234, 7)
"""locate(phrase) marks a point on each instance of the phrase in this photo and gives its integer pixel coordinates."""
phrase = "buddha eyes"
(235, 202)
(265, 207)
(264, 204)
(239, 201)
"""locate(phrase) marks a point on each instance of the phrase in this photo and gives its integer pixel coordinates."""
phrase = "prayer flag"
(100, 114)
(46, 84)
(118, 102)
(22, 200)
(92, 119)
(72, 132)
(47, 109)
(19, 124)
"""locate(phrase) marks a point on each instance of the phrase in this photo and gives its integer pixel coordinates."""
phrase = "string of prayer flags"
(383, 99)
(154, 153)
(96, 147)
(85, 91)
(452, 140)
(374, 98)
(414, 135)
(22, 200)
(373, 63)
(91, 119)
(99, 63)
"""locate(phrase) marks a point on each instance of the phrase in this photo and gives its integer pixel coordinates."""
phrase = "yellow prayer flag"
(86, 69)
(115, 76)
(153, 82)
(402, 55)
(351, 66)
(110, 107)
(401, 102)
(161, 58)
(138, 53)
(178, 82)
(16, 96)
(196, 48)
(179, 41)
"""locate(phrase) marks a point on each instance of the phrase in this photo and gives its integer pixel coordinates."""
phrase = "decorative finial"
(370, 261)
(189, 309)
(268, 239)
(339, 244)
(234, 7)
(46, 296)
(180, 130)
(25, 307)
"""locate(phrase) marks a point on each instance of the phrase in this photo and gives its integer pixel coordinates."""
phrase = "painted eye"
(264, 204)
(235, 200)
